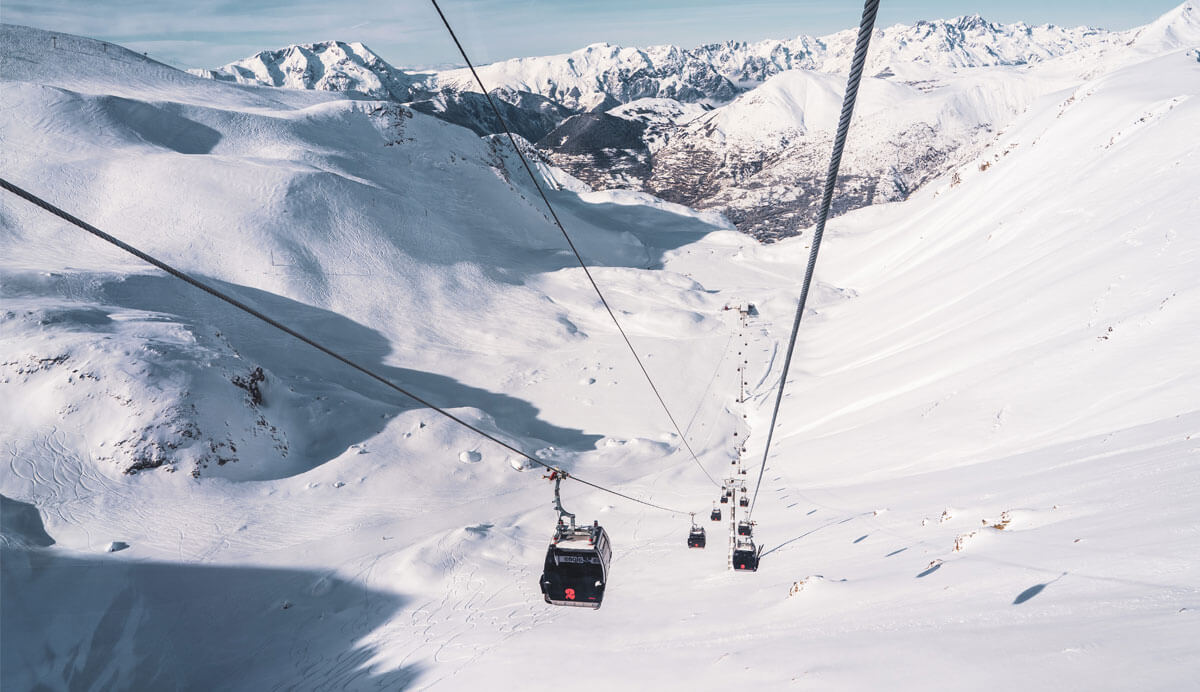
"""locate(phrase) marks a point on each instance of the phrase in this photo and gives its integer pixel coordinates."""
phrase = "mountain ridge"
(713, 72)
(718, 71)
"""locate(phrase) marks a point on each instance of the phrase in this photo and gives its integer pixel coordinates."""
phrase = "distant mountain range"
(741, 127)
(603, 75)
(718, 72)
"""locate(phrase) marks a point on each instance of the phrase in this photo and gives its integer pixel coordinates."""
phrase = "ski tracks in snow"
(476, 611)
(64, 488)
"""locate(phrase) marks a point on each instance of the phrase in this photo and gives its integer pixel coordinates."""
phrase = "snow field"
(955, 373)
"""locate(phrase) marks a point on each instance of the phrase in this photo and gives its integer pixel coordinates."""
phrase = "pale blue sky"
(406, 33)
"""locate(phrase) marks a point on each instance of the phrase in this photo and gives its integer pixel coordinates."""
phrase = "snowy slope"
(1179, 28)
(1011, 347)
(1015, 345)
(313, 203)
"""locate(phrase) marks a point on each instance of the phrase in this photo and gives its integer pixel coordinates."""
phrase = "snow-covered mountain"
(984, 473)
(355, 69)
(940, 92)
(603, 75)
(401, 172)
(716, 73)
(325, 66)
(758, 158)
(761, 160)
(962, 42)
(1179, 28)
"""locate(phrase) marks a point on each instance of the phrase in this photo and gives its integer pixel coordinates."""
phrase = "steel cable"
(839, 142)
(217, 293)
(546, 200)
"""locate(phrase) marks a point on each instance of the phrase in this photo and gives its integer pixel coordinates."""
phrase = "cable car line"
(870, 8)
(577, 560)
(546, 200)
(217, 293)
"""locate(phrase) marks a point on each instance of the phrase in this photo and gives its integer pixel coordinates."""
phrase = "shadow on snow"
(812, 531)
(74, 621)
(310, 372)
(1034, 590)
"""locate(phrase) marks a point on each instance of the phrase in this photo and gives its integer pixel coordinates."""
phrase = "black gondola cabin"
(696, 537)
(576, 569)
(745, 556)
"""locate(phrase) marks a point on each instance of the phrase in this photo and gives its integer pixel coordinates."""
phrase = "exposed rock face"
(529, 115)
(773, 194)
(762, 159)
(600, 149)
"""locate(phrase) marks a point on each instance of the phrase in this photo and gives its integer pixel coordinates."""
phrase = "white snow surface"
(985, 473)
(790, 104)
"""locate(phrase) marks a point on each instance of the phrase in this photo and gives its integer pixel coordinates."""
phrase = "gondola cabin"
(745, 556)
(724, 499)
(745, 528)
(716, 514)
(576, 569)
(743, 501)
(696, 537)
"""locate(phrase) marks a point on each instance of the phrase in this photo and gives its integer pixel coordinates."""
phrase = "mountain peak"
(1175, 29)
(324, 65)
(970, 22)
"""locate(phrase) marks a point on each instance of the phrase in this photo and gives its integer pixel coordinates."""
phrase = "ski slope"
(986, 471)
